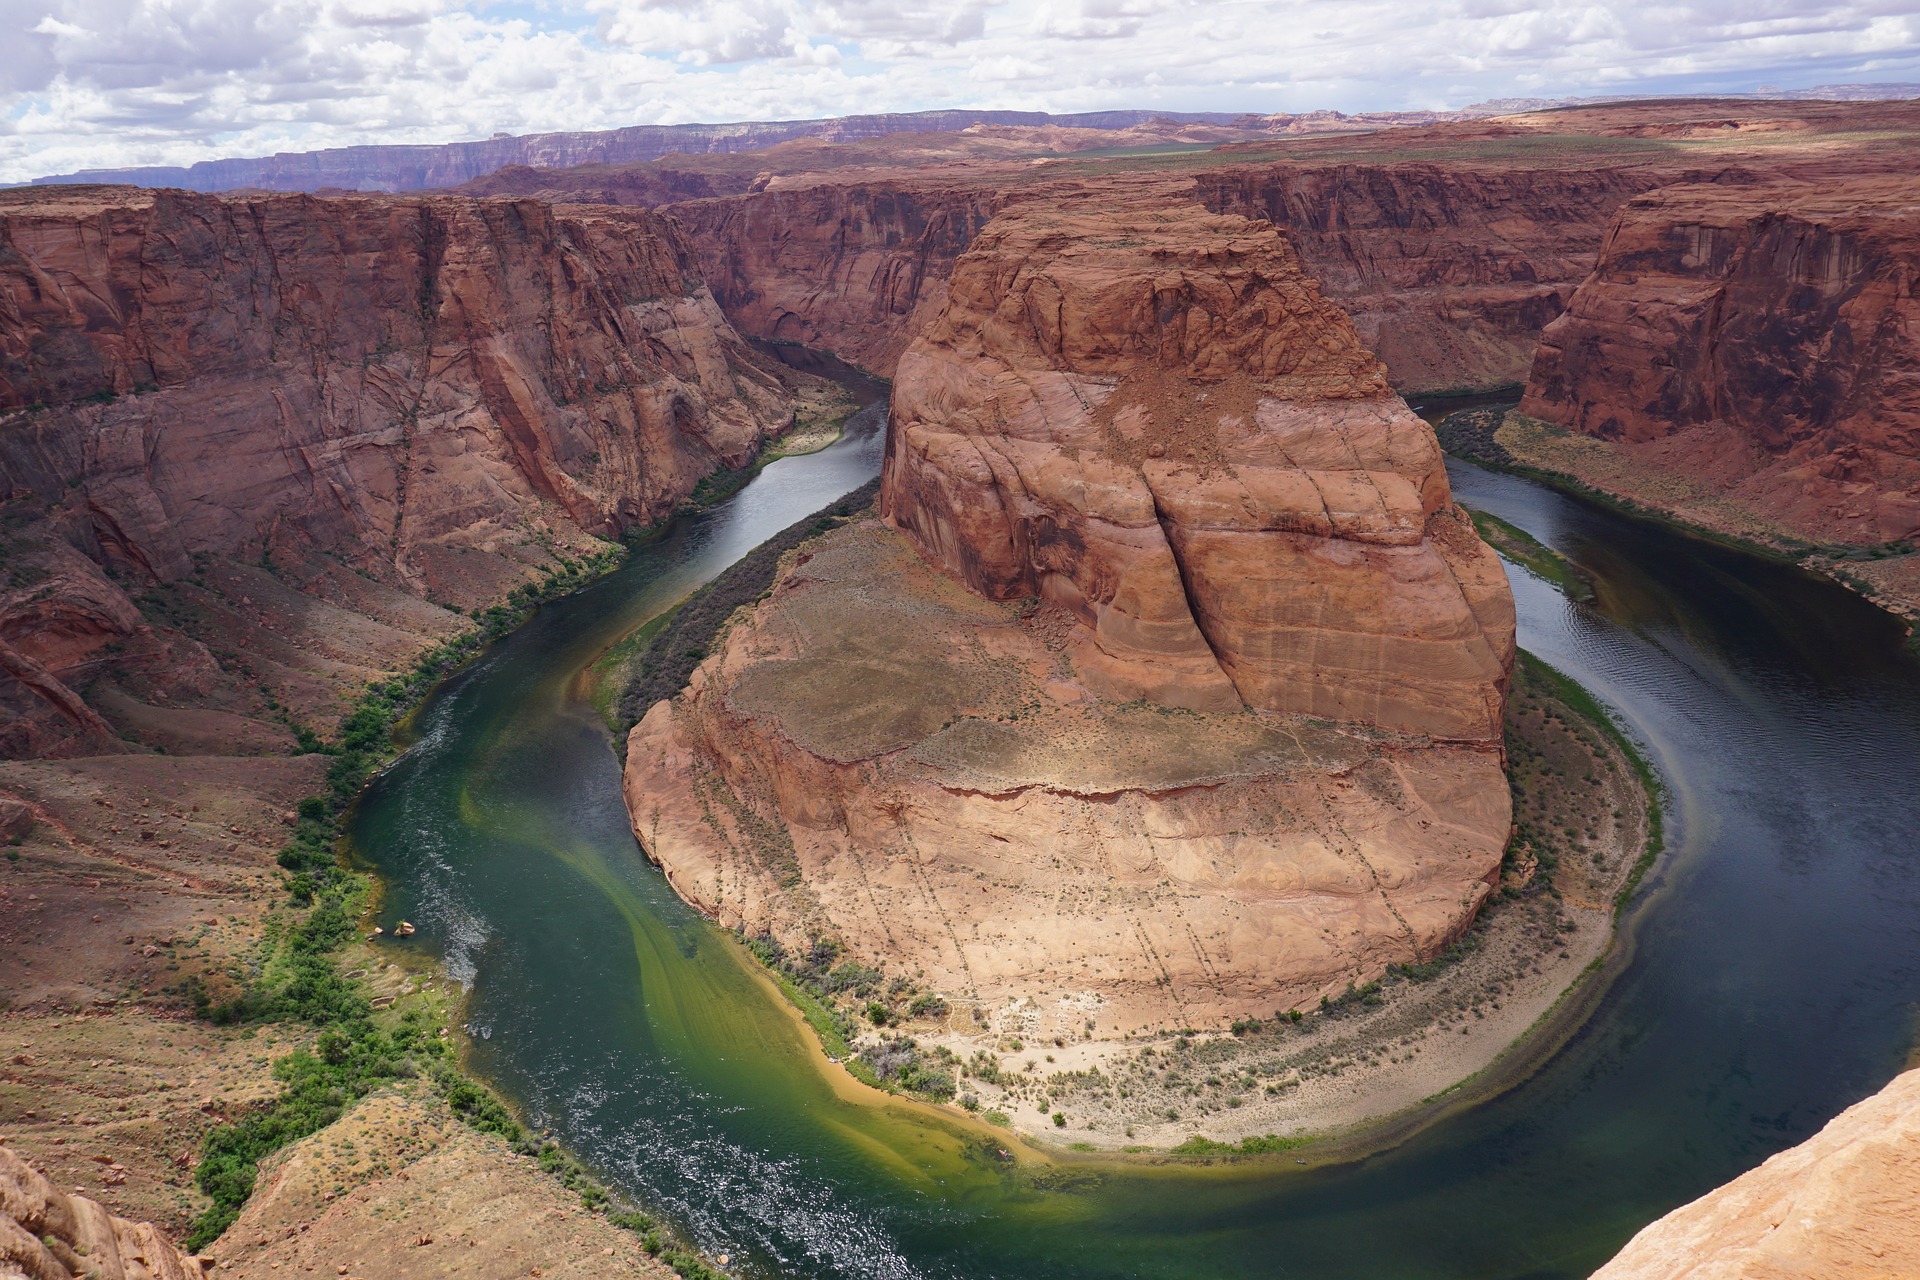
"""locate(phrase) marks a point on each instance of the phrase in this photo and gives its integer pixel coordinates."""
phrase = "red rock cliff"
(1152, 418)
(1762, 339)
(1448, 271)
(47, 1235)
(857, 268)
(440, 392)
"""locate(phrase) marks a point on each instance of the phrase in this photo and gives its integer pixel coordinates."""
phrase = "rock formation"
(46, 1235)
(856, 268)
(1761, 339)
(418, 387)
(1134, 719)
(1449, 269)
(1450, 246)
(1844, 1203)
(1156, 422)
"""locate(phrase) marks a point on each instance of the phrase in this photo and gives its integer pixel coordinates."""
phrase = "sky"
(111, 83)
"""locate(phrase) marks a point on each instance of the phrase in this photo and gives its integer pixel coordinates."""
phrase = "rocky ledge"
(47, 1235)
(1842, 1203)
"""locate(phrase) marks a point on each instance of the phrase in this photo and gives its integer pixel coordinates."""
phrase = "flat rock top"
(879, 653)
(1110, 282)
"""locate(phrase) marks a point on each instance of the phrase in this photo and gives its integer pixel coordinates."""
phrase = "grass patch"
(1521, 547)
(1199, 1146)
(356, 1049)
(837, 996)
(1576, 698)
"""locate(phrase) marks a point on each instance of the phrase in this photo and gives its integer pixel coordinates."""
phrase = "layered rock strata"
(1155, 421)
(1760, 340)
(1129, 715)
(857, 268)
(438, 393)
(1844, 1203)
(1448, 270)
(47, 1235)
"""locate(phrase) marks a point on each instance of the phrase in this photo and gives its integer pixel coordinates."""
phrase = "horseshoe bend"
(1163, 688)
(1324, 695)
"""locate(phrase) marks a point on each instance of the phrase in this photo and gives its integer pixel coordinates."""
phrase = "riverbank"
(204, 1067)
(1624, 479)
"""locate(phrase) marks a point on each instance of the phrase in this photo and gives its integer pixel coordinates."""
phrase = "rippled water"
(1774, 964)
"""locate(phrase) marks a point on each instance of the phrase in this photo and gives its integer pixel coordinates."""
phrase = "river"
(1772, 970)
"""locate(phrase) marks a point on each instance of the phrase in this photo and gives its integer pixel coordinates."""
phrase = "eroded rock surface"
(435, 396)
(1126, 716)
(1154, 420)
(1843, 1205)
(881, 756)
(1760, 340)
(48, 1235)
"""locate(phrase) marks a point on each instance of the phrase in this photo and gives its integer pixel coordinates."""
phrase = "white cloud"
(98, 83)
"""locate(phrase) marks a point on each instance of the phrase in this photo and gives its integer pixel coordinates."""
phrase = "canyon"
(257, 456)
(1451, 244)
(1168, 685)
(1164, 687)
(411, 406)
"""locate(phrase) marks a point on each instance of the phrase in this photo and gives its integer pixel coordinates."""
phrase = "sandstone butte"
(1844, 1203)
(1762, 341)
(440, 394)
(47, 1235)
(1170, 686)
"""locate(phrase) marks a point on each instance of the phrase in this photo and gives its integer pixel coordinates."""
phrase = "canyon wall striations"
(438, 394)
(1131, 711)
(1761, 340)
(855, 268)
(1448, 272)
(1156, 422)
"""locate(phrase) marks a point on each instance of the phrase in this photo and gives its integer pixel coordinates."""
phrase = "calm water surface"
(1775, 962)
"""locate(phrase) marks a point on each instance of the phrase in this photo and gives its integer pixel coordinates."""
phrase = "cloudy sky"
(95, 83)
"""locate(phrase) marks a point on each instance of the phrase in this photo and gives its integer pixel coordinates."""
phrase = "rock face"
(1844, 1203)
(856, 268)
(45, 1235)
(416, 387)
(1449, 271)
(1038, 742)
(1154, 420)
(1762, 339)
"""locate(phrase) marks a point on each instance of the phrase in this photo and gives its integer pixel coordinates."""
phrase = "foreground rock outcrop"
(441, 395)
(1128, 715)
(47, 1235)
(1761, 341)
(1844, 1203)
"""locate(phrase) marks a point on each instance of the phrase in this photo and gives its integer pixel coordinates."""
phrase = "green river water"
(1772, 972)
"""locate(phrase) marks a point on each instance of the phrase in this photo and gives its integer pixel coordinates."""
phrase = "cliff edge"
(1841, 1204)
